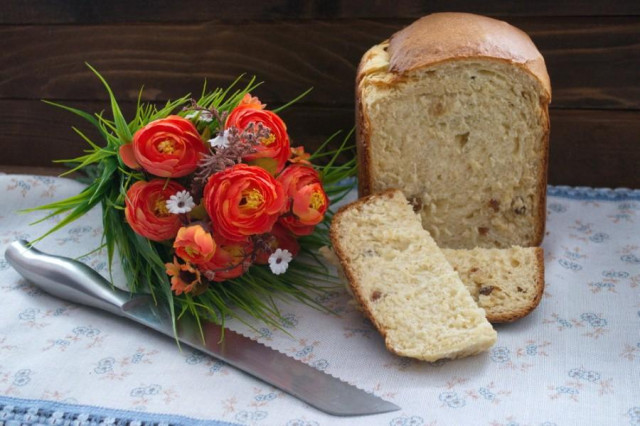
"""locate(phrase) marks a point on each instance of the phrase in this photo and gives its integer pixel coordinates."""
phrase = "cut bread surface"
(465, 137)
(404, 282)
(506, 283)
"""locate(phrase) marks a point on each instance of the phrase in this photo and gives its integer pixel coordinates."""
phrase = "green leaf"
(90, 118)
(121, 124)
(110, 166)
(293, 101)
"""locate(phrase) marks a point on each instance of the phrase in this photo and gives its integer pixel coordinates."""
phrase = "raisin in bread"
(404, 282)
(453, 110)
(506, 283)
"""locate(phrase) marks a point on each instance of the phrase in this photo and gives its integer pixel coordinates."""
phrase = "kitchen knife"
(76, 282)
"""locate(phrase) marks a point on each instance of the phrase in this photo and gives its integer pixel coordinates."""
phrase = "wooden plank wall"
(592, 50)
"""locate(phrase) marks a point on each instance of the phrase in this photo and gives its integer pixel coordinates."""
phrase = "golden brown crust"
(442, 37)
(504, 317)
(362, 145)
(367, 65)
(542, 186)
(445, 36)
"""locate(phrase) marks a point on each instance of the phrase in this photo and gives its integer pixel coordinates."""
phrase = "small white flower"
(180, 202)
(203, 115)
(220, 141)
(279, 261)
(206, 116)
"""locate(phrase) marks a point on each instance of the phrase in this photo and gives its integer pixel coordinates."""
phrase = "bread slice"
(506, 283)
(453, 110)
(404, 282)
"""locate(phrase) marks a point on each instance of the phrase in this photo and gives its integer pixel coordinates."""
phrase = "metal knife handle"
(65, 278)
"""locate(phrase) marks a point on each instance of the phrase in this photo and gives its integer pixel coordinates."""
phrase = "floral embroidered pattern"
(577, 349)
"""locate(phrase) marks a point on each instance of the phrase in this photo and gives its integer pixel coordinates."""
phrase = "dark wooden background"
(592, 51)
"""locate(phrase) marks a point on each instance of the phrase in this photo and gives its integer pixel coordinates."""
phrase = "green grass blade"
(121, 124)
(293, 101)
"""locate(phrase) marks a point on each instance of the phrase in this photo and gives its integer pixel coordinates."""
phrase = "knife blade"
(76, 282)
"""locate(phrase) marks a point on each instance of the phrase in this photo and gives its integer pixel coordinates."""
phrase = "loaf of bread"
(404, 282)
(453, 110)
(506, 283)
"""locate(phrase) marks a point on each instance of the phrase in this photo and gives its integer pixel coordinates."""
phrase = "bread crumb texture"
(465, 140)
(506, 283)
(404, 282)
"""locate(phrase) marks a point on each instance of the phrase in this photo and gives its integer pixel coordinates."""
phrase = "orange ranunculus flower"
(273, 151)
(194, 245)
(252, 101)
(146, 209)
(185, 278)
(231, 259)
(299, 156)
(307, 200)
(128, 157)
(168, 147)
(278, 238)
(242, 201)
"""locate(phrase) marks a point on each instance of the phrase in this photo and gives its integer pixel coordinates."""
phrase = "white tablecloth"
(575, 360)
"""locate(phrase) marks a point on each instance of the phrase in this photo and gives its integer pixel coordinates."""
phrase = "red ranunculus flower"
(231, 259)
(278, 238)
(168, 147)
(273, 151)
(307, 200)
(242, 201)
(146, 209)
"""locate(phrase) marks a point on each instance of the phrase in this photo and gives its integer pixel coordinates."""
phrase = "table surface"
(574, 360)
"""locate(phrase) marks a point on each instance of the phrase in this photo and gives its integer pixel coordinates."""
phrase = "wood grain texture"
(595, 148)
(592, 51)
(592, 62)
(588, 147)
(126, 11)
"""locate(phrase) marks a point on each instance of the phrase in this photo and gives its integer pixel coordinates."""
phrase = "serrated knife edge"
(74, 281)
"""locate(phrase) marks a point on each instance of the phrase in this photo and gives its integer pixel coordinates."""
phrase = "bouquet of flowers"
(207, 202)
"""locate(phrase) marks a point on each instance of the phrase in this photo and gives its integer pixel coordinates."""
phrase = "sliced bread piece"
(404, 282)
(506, 283)
(453, 110)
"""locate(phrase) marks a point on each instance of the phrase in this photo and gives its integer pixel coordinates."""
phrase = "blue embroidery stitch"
(289, 321)
(407, 421)
(105, 365)
(217, 366)
(21, 377)
(599, 237)
(601, 194)
(267, 397)
(15, 411)
(615, 274)
(247, 416)
(452, 399)
(630, 258)
(321, 364)
(500, 354)
(301, 422)
(557, 207)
